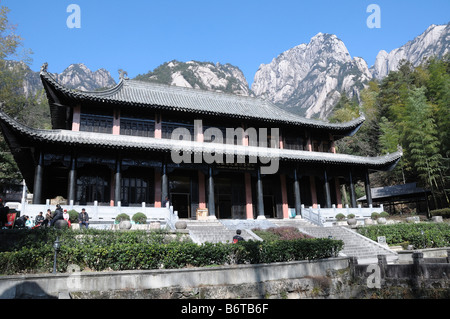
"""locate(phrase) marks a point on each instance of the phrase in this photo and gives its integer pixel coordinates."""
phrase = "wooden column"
(352, 190)
(298, 203)
(164, 183)
(117, 183)
(38, 178)
(367, 186)
(211, 200)
(260, 194)
(312, 181)
(71, 193)
(326, 186)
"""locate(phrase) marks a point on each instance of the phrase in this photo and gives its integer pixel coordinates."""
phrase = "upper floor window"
(96, 123)
(137, 127)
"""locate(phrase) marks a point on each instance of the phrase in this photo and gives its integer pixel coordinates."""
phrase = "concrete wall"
(300, 276)
(334, 278)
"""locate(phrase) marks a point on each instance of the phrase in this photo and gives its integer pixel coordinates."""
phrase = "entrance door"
(224, 206)
(181, 203)
(269, 206)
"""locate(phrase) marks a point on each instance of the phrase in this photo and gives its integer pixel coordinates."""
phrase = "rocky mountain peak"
(308, 78)
(434, 41)
(200, 75)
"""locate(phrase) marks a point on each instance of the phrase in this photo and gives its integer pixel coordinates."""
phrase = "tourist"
(39, 219)
(166, 202)
(57, 216)
(83, 219)
(66, 217)
(48, 218)
(237, 238)
(3, 213)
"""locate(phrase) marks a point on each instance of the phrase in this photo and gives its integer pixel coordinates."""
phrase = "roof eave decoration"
(132, 93)
(102, 140)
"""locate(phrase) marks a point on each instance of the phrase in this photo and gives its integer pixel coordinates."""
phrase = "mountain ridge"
(308, 79)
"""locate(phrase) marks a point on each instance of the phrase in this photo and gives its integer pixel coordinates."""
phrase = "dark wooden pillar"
(164, 183)
(260, 194)
(352, 190)
(117, 182)
(71, 193)
(298, 203)
(326, 186)
(211, 200)
(367, 186)
(38, 179)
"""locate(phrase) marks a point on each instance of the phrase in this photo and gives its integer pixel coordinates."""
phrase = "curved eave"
(137, 143)
(58, 95)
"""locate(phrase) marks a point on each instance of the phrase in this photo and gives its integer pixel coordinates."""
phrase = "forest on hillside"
(410, 108)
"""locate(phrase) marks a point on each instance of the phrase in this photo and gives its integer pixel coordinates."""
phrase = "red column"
(76, 118)
(201, 190)
(248, 196)
(338, 192)
(116, 122)
(157, 188)
(284, 198)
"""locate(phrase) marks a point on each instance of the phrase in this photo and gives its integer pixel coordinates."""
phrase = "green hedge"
(139, 250)
(444, 212)
(434, 234)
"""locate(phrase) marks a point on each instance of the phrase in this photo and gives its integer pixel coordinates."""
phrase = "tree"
(423, 144)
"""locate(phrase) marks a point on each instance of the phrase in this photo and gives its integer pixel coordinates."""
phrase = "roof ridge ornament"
(44, 67)
(123, 75)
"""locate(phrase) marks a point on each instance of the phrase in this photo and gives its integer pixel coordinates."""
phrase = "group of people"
(50, 218)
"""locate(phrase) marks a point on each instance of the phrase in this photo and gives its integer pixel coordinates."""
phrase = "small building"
(139, 143)
(390, 196)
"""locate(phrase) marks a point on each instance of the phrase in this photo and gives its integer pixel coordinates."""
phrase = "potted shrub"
(382, 218)
(139, 218)
(351, 220)
(340, 217)
(123, 220)
(375, 215)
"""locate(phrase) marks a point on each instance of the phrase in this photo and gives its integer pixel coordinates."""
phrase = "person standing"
(83, 219)
(57, 216)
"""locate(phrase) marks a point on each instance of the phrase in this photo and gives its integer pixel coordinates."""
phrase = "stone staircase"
(214, 231)
(355, 245)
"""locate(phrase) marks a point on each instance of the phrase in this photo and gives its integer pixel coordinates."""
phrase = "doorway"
(181, 203)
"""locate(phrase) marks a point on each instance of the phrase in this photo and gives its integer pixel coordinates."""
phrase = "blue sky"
(138, 36)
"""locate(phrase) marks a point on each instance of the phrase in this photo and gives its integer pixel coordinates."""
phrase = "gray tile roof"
(159, 96)
(102, 140)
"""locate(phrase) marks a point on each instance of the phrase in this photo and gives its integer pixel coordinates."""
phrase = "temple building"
(140, 142)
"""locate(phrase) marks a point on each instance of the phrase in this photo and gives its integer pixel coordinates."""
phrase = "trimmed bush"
(434, 235)
(350, 216)
(139, 218)
(384, 214)
(340, 216)
(375, 215)
(100, 250)
(444, 212)
(122, 217)
(73, 216)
